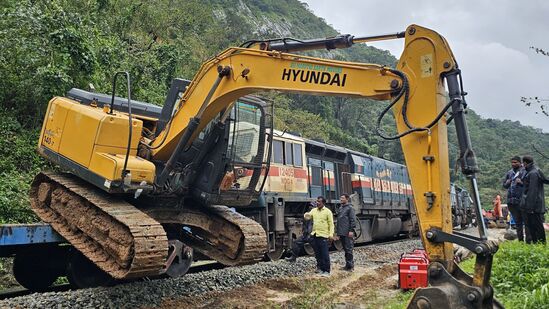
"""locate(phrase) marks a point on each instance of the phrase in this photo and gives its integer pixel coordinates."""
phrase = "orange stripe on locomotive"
(288, 178)
(288, 173)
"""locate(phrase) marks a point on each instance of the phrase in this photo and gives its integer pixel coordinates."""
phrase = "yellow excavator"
(147, 189)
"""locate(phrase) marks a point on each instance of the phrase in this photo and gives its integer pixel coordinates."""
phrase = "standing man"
(533, 200)
(514, 186)
(307, 228)
(323, 230)
(346, 225)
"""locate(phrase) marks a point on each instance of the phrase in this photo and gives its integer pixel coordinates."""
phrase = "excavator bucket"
(454, 290)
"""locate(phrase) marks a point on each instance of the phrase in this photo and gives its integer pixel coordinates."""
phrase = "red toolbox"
(412, 269)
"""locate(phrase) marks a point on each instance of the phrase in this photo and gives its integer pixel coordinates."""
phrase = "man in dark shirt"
(346, 225)
(514, 186)
(533, 200)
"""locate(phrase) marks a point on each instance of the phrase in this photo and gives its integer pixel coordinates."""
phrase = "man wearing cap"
(323, 231)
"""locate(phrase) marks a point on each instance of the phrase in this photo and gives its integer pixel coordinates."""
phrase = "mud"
(225, 236)
(116, 236)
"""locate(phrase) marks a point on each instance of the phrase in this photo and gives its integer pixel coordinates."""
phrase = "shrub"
(520, 275)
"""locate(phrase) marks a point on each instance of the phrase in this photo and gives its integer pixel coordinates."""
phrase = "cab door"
(346, 183)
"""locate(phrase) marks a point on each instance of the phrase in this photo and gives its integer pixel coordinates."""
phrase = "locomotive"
(302, 169)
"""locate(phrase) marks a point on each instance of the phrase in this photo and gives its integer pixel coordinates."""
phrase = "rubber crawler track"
(119, 238)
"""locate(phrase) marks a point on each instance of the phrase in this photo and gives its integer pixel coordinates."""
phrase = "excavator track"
(119, 238)
(219, 233)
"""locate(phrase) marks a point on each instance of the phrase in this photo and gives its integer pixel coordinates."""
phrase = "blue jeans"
(320, 245)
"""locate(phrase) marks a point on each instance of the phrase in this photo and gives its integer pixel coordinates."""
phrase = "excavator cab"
(236, 177)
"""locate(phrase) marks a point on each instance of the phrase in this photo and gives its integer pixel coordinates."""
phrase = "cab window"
(298, 155)
(289, 154)
(278, 152)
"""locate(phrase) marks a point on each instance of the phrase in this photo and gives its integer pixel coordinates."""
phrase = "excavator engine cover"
(92, 143)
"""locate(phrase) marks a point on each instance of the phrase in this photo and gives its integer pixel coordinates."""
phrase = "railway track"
(151, 293)
(197, 267)
(20, 291)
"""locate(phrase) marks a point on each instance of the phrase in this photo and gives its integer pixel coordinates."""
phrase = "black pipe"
(191, 128)
(193, 124)
(339, 41)
(467, 157)
(292, 45)
(124, 170)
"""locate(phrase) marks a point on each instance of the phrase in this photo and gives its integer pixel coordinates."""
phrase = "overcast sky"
(490, 40)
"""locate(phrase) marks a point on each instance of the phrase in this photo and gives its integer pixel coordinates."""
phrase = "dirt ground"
(366, 287)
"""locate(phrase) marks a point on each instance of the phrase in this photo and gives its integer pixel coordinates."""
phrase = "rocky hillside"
(48, 47)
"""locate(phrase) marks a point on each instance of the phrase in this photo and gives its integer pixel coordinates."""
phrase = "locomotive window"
(314, 162)
(298, 155)
(289, 154)
(328, 166)
(316, 176)
(278, 152)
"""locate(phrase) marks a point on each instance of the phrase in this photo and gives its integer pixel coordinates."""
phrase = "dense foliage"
(48, 47)
(18, 165)
(519, 275)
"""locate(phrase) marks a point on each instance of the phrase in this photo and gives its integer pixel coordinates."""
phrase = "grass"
(315, 294)
(400, 301)
(311, 295)
(520, 275)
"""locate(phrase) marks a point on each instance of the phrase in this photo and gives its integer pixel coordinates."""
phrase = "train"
(302, 169)
(463, 210)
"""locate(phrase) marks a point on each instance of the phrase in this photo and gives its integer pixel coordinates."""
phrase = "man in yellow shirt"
(323, 230)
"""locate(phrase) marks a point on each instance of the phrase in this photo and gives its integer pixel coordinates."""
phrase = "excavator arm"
(422, 105)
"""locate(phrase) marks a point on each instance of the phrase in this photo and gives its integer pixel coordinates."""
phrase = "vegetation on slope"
(48, 47)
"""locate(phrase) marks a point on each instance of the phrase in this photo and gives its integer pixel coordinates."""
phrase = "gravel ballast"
(152, 293)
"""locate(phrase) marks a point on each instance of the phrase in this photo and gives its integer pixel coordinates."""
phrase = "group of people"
(526, 199)
(319, 230)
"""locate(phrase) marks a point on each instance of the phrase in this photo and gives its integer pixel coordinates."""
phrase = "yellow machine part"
(94, 139)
